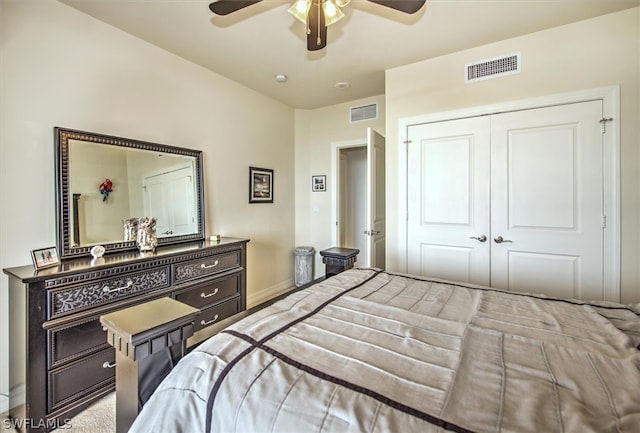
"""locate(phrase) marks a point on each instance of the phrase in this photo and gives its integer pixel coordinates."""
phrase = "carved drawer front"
(83, 296)
(80, 339)
(212, 292)
(213, 315)
(205, 266)
(80, 378)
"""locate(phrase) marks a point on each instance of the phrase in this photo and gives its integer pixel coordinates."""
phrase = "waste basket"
(304, 265)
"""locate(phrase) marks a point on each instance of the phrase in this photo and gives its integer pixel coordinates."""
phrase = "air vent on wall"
(364, 112)
(492, 68)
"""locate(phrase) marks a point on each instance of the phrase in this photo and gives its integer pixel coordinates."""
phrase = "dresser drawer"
(79, 297)
(212, 292)
(205, 266)
(80, 378)
(213, 315)
(66, 344)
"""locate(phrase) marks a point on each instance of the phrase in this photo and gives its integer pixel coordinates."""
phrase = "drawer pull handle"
(203, 323)
(108, 289)
(108, 365)
(202, 295)
(203, 266)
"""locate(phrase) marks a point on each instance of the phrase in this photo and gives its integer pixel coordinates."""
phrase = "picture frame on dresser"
(45, 257)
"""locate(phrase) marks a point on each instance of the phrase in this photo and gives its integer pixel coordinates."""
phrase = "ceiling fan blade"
(225, 7)
(317, 30)
(406, 6)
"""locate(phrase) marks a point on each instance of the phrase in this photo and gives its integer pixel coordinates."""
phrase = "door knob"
(481, 238)
(500, 240)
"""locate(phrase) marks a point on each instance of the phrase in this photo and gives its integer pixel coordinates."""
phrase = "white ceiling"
(251, 46)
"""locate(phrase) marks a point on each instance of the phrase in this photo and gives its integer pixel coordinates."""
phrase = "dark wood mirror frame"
(63, 194)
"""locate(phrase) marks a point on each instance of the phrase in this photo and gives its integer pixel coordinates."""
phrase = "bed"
(370, 350)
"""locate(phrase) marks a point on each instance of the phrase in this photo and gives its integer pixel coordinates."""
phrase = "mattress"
(374, 351)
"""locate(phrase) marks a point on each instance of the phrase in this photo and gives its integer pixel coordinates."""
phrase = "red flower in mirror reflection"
(105, 188)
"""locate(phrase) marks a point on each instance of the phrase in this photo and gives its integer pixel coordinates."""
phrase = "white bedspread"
(378, 352)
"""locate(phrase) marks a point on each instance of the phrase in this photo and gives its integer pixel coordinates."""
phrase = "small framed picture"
(319, 183)
(45, 257)
(260, 185)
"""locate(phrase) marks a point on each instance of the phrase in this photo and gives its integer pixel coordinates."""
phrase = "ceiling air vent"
(364, 112)
(492, 68)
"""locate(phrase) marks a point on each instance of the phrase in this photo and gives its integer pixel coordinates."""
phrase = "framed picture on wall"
(45, 257)
(260, 185)
(318, 183)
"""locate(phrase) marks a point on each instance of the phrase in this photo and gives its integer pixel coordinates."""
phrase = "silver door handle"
(371, 232)
(481, 238)
(500, 240)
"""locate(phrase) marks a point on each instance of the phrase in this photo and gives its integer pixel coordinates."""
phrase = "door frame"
(336, 147)
(610, 97)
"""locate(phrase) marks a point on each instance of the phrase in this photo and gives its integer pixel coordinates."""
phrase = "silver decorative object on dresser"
(60, 360)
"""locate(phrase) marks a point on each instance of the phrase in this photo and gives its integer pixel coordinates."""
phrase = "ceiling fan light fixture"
(300, 9)
(330, 9)
(332, 13)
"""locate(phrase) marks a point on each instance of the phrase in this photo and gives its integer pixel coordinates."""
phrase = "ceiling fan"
(316, 14)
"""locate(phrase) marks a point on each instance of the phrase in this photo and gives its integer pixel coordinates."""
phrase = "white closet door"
(547, 201)
(448, 200)
(530, 181)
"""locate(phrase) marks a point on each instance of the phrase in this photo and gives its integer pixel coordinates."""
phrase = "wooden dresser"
(60, 361)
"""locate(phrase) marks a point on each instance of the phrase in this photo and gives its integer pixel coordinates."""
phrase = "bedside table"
(338, 260)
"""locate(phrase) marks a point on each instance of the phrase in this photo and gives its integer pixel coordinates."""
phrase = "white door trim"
(336, 147)
(610, 97)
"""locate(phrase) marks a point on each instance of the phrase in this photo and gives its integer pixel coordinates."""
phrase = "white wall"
(60, 67)
(315, 132)
(596, 53)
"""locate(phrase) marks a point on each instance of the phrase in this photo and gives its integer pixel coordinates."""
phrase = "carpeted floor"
(100, 417)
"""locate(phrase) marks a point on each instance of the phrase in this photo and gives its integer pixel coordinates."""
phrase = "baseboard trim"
(4, 406)
(18, 395)
(270, 293)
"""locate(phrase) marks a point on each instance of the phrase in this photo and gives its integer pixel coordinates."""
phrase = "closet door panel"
(542, 176)
(546, 201)
(448, 200)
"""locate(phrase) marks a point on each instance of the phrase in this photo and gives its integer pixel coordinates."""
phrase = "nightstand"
(338, 260)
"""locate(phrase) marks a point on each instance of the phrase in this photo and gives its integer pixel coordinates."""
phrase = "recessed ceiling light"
(342, 85)
(281, 78)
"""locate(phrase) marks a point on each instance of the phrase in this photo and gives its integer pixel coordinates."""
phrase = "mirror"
(104, 183)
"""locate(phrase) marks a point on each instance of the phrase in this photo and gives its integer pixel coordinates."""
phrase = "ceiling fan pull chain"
(318, 41)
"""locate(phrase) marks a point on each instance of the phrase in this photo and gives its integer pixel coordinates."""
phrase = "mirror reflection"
(109, 182)
(142, 183)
